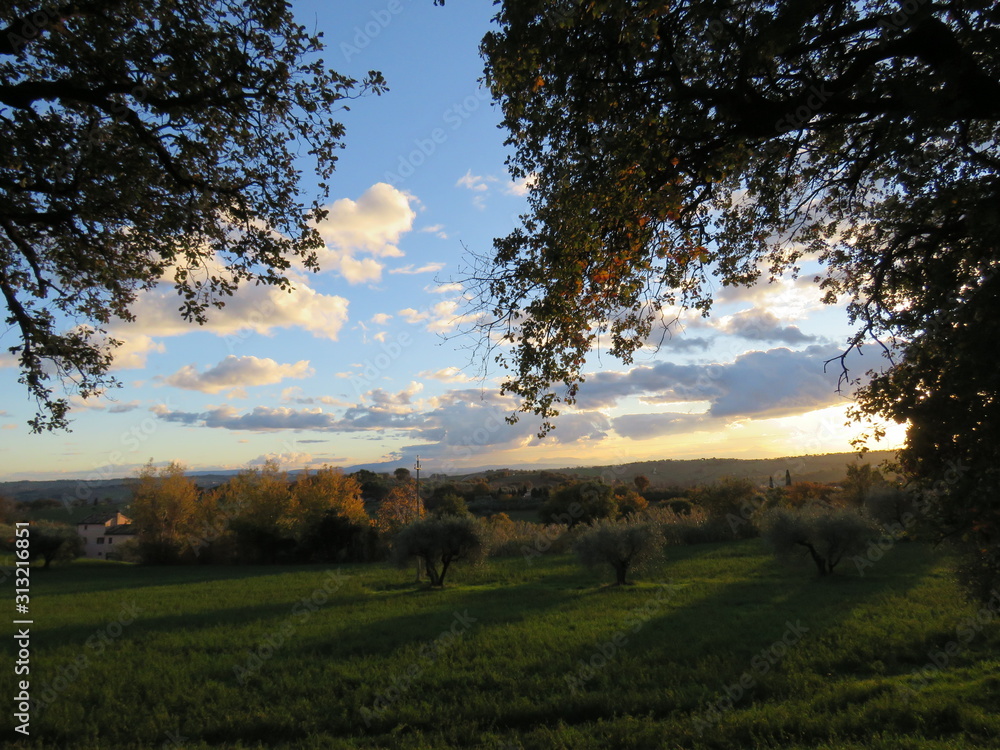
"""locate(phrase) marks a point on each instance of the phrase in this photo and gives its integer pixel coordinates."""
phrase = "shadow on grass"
(701, 642)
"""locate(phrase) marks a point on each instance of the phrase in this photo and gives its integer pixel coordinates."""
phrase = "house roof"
(99, 517)
(122, 529)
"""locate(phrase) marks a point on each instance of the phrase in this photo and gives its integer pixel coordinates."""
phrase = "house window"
(111, 540)
(100, 540)
(85, 527)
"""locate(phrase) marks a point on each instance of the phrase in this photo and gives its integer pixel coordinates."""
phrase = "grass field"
(513, 655)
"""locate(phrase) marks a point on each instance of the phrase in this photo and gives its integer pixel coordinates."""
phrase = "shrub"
(579, 502)
(623, 545)
(629, 501)
(450, 504)
(824, 535)
(728, 496)
(439, 542)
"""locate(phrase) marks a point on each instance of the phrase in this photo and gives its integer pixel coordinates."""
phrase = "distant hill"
(829, 467)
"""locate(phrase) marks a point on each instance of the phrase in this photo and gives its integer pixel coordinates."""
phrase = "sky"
(368, 362)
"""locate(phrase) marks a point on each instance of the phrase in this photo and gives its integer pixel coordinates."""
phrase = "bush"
(824, 535)
(439, 542)
(629, 501)
(728, 496)
(579, 502)
(450, 504)
(624, 545)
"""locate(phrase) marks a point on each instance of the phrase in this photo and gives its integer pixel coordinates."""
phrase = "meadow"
(718, 647)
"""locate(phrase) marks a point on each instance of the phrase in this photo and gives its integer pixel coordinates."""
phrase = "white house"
(100, 533)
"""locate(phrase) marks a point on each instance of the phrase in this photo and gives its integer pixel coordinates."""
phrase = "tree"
(669, 142)
(260, 501)
(861, 481)
(54, 542)
(449, 505)
(147, 142)
(624, 545)
(439, 542)
(641, 482)
(402, 474)
(578, 502)
(629, 501)
(163, 510)
(329, 490)
(398, 508)
(827, 535)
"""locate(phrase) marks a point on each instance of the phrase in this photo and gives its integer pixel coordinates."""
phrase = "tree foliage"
(579, 502)
(164, 510)
(439, 542)
(671, 141)
(146, 142)
(54, 542)
(400, 507)
(623, 545)
(826, 535)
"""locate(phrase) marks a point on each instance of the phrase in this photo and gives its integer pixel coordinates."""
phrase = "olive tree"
(824, 535)
(439, 542)
(623, 545)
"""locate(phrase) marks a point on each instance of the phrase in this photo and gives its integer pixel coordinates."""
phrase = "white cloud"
(258, 309)
(476, 183)
(521, 186)
(373, 225)
(446, 375)
(426, 268)
(237, 372)
(444, 288)
(437, 230)
(380, 319)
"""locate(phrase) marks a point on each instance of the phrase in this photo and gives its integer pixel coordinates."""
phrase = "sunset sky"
(365, 362)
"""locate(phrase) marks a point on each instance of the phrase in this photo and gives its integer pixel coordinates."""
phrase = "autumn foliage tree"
(164, 509)
(399, 508)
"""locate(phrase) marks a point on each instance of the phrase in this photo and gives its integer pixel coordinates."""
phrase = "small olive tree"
(439, 542)
(624, 545)
(825, 535)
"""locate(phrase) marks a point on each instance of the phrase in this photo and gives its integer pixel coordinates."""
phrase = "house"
(100, 533)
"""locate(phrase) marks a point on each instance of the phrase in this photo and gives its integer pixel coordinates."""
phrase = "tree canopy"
(670, 141)
(147, 141)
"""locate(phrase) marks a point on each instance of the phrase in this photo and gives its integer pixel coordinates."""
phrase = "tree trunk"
(620, 570)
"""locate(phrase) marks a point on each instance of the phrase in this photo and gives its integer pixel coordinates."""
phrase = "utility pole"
(416, 466)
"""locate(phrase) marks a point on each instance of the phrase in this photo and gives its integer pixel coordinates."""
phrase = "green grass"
(502, 682)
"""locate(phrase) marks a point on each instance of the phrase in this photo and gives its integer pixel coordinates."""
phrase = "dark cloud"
(762, 325)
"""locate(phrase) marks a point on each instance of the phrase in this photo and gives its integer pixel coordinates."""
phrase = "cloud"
(476, 183)
(758, 324)
(446, 375)
(646, 426)
(380, 319)
(9, 427)
(444, 288)
(757, 384)
(252, 309)
(289, 460)
(373, 224)
(437, 230)
(237, 372)
(426, 268)
(521, 186)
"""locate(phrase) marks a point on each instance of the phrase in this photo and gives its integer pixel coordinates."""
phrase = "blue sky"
(361, 364)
